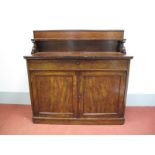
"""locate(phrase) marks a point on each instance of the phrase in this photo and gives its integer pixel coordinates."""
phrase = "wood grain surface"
(87, 86)
(80, 34)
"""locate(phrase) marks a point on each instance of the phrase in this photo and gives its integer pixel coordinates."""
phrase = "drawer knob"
(77, 62)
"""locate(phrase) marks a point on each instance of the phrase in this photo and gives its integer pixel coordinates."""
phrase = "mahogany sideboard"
(78, 76)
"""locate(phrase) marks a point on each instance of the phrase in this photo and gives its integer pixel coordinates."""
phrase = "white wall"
(18, 18)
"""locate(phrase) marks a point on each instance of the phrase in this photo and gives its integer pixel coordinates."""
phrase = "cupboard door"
(101, 93)
(54, 94)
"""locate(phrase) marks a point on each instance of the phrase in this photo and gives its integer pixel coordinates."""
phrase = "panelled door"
(89, 94)
(54, 93)
(101, 93)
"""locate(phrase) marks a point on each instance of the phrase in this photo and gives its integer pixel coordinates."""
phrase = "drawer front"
(78, 64)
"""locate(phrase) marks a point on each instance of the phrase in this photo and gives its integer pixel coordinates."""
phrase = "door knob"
(77, 62)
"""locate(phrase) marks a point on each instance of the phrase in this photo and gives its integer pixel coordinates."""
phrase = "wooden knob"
(77, 62)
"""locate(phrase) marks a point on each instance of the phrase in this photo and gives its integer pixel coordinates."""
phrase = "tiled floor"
(16, 119)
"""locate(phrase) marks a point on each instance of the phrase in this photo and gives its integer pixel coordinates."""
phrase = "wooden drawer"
(78, 64)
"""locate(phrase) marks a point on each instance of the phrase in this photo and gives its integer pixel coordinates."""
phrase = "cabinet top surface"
(78, 55)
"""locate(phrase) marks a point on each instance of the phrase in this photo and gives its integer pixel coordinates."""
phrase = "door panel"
(101, 93)
(55, 93)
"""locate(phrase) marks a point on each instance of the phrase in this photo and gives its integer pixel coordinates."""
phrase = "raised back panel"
(78, 41)
(78, 45)
(80, 34)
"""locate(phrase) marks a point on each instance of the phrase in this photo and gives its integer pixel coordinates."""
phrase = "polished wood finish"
(78, 45)
(78, 87)
(99, 92)
(87, 41)
(79, 34)
(46, 86)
